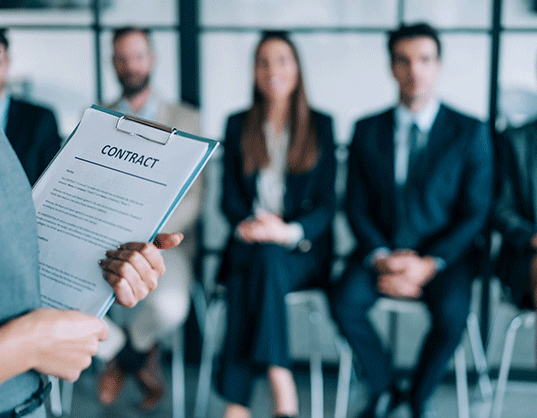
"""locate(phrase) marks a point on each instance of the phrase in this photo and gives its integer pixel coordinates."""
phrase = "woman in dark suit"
(279, 198)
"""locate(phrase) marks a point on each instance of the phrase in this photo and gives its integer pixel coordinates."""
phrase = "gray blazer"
(19, 274)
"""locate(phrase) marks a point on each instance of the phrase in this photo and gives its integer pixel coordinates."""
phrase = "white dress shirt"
(4, 109)
(149, 111)
(404, 118)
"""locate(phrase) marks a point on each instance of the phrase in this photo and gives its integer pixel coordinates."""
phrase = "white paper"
(103, 189)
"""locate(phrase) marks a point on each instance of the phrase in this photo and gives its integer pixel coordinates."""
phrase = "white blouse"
(271, 179)
(270, 182)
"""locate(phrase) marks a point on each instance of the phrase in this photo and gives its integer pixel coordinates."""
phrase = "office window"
(519, 13)
(465, 77)
(226, 78)
(351, 80)
(139, 12)
(297, 13)
(517, 100)
(45, 16)
(450, 13)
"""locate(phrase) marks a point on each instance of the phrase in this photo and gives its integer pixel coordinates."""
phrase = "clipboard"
(117, 179)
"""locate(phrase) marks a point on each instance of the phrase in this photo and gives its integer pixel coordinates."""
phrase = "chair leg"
(199, 303)
(392, 334)
(55, 397)
(207, 355)
(461, 382)
(480, 359)
(178, 374)
(515, 324)
(344, 378)
(316, 366)
(67, 396)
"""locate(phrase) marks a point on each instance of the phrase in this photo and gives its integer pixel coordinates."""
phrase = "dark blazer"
(515, 211)
(309, 197)
(33, 134)
(450, 201)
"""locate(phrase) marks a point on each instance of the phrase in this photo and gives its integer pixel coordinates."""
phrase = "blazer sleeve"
(319, 219)
(46, 133)
(358, 201)
(515, 229)
(472, 208)
(235, 205)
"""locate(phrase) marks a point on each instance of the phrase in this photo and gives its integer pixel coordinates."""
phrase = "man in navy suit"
(419, 191)
(31, 129)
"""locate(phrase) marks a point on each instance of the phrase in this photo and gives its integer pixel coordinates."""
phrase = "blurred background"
(61, 57)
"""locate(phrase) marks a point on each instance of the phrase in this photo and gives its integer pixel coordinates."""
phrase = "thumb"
(167, 241)
(103, 331)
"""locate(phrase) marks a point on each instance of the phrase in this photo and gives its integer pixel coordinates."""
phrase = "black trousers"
(448, 299)
(259, 277)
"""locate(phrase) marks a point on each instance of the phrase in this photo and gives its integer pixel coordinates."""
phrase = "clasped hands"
(265, 227)
(403, 273)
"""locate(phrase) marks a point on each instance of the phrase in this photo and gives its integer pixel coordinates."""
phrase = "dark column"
(97, 29)
(493, 112)
(189, 54)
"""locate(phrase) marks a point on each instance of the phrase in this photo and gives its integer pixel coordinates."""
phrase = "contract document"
(117, 179)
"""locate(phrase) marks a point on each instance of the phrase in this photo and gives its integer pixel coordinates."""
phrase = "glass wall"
(298, 13)
(62, 58)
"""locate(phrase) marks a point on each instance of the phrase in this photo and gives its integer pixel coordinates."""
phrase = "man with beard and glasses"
(167, 308)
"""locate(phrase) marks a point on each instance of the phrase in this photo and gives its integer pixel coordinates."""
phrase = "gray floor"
(520, 401)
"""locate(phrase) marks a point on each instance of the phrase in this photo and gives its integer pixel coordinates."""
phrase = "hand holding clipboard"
(117, 179)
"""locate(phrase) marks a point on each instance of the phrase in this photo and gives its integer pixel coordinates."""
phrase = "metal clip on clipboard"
(143, 128)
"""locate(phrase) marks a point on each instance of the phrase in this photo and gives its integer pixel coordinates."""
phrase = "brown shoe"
(149, 377)
(110, 383)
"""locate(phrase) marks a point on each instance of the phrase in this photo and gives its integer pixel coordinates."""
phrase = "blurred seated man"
(31, 129)
(515, 213)
(419, 191)
(168, 306)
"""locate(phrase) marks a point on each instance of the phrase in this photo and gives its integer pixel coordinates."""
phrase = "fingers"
(127, 282)
(253, 231)
(167, 241)
(404, 252)
(381, 265)
(65, 341)
(103, 332)
(399, 262)
(131, 252)
(244, 230)
(133, 269)
(396, 286)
